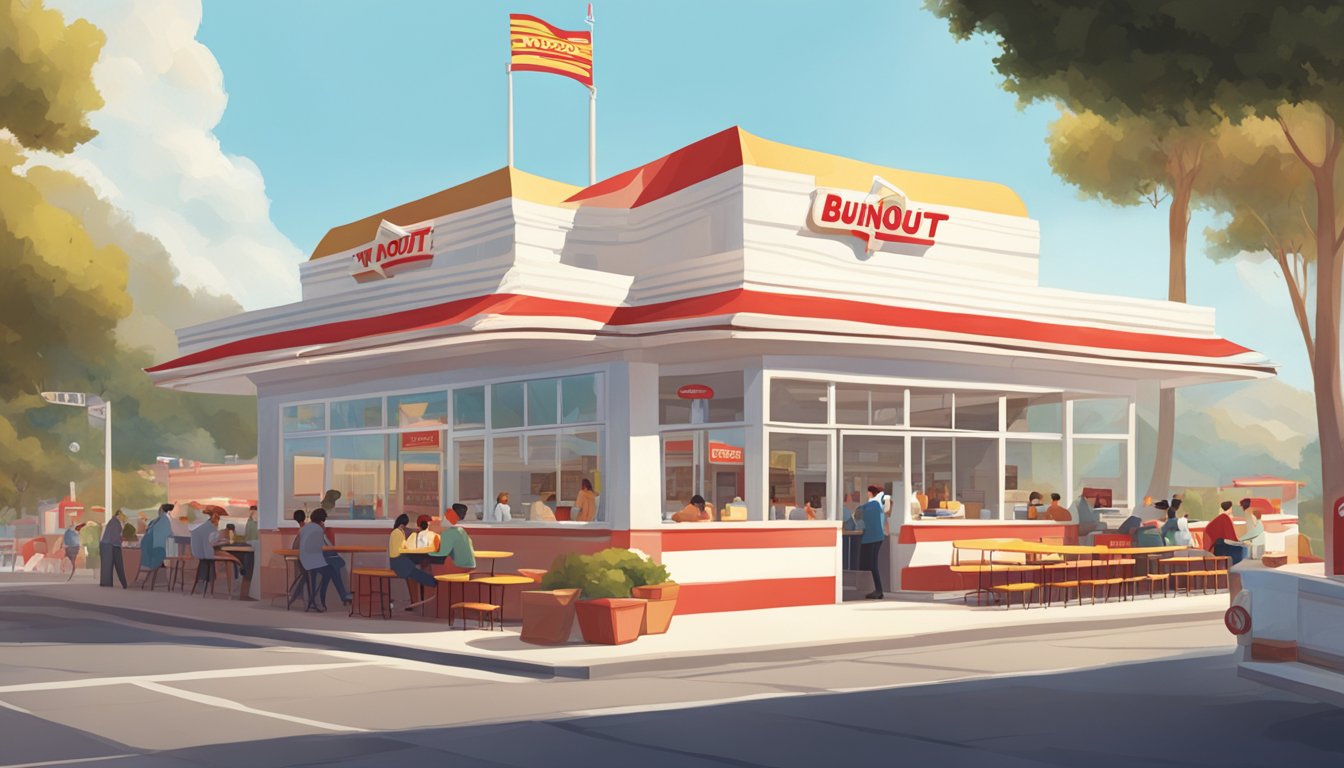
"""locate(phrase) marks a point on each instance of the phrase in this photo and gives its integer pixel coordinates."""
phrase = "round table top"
(492, 554)
(352, 548)
(504, 580)
(453, 577)
(234, 548)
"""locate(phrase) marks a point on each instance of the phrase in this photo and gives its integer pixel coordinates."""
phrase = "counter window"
(798, 466)
(417, 471)
(708, 463)
(469, 459)
(1031, 465)
(359, 472)
(796, 401)
(701, 398)
(364, 413)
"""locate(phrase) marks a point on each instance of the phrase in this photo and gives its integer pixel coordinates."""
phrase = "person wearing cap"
(109, 551)
(454, 542)
(874, 534)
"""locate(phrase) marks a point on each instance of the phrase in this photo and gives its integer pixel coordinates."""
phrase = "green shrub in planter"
(640, 570)
(567, 572)
(600, 581)
(595, 577)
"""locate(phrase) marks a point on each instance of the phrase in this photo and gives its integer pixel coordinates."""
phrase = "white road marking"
(215, 701)
(411, 665)
(74, 761)
(15, 708)
(207, 674)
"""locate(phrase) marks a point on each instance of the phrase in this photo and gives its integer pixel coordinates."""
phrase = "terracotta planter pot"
(662, 603)
(610, 621)
(534, 574)
(548, 615)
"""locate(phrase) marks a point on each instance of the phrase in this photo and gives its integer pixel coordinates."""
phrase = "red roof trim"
(736, 301)
(689, 165)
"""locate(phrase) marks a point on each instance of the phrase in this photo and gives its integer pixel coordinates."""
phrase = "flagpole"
(509, 69)
(592, 106)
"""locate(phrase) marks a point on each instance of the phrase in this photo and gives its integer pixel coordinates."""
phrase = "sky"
(303, 115)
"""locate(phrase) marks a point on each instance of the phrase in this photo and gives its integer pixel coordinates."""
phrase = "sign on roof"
(880, 216)
(394, 250)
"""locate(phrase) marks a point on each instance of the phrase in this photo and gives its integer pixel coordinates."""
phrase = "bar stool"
(379, 578)
(207, 565)
(177, 571)
(299, 587)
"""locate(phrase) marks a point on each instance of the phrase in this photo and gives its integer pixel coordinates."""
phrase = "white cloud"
(157, 157)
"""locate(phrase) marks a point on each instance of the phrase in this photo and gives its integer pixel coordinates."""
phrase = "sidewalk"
(698, 641)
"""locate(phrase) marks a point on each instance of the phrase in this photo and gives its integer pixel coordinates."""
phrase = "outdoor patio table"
(503, 582)
(247, 558)
(492, 555)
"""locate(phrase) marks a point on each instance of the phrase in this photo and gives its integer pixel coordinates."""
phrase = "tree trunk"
(1178, 228)
(1329, 407)
(1297, 294)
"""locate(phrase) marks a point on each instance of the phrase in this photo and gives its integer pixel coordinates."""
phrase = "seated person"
(1220, 535)
(455, 543)
(424, 538)
(1058, 512)
(540, 510)
(403, 562)
(1034, 505)
(694, 512)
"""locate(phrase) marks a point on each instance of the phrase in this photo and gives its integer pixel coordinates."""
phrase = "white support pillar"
(632, 480)
(1069, 491)
(754, 463)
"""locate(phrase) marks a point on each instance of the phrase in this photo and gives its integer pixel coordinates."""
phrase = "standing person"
(402, 564)
(109, 551)
(873, 535)
(586, 502)
(250, 533)
(154, 548)
(501, 513)
(89, 535)
(1220, 535)
(312, 537)
(70, 540)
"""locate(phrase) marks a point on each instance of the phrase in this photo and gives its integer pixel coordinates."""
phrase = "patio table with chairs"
(1050, 567)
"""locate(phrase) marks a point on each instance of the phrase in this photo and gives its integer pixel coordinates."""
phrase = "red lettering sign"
(874, 218)
(695, 392)
(420, 440)
(393, 250)
(722, 453)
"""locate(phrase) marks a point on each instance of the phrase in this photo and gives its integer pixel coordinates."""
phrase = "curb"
(603, 669)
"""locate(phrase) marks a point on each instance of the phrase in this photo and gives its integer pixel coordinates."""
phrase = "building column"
(632, 477)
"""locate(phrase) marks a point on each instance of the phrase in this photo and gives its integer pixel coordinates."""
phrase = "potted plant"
(548, 613)
(607, 614)
(649, 581)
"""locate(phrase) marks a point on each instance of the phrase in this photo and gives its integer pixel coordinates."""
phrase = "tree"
(1267, 196)
(1129, 160)
(1235, 59)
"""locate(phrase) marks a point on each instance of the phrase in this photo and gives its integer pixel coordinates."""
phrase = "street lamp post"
(97, 408)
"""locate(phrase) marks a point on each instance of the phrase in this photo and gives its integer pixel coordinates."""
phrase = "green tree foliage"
(77, 313)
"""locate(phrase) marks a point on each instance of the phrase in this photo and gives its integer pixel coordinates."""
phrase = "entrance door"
(873, 459)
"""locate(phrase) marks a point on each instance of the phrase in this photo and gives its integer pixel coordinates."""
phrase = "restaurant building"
(738, 319)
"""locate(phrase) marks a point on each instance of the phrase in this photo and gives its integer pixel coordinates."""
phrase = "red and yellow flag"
(538, 47)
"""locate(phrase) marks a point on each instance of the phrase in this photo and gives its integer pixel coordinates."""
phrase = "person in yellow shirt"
(399, 559)
(586, 502)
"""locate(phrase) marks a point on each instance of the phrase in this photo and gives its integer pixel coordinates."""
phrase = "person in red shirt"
(1220, 536)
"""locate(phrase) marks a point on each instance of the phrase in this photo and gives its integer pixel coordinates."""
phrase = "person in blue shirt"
(874, 533)
(70, 540)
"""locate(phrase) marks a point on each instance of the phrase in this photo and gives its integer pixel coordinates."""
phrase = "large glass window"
(865, 405)
(469, 408)
(543, 402)
(363, 413)
(798, 466)
(798, 401)
(930, 409)
(1101, 416)
(580, 397)
(931, 470)
(304, 470)
(976, 478)
(1035, 413)
(1103, 465)
(709, 463)
(359, 472)
(418, 410)
(872, 460)
(977, 411)
(506, 405)
(1031, 465)
(469, 459)
(699, 398)
(309, 417)
(580, 457)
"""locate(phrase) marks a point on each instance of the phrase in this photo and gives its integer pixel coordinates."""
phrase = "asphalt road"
(77, 688)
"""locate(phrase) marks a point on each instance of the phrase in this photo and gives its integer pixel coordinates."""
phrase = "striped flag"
(539, 47)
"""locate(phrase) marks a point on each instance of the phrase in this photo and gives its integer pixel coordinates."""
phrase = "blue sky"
(348, 108)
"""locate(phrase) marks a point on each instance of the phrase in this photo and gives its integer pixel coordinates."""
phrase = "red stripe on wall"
(688, 541)
(914, 534)
(751, 595)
